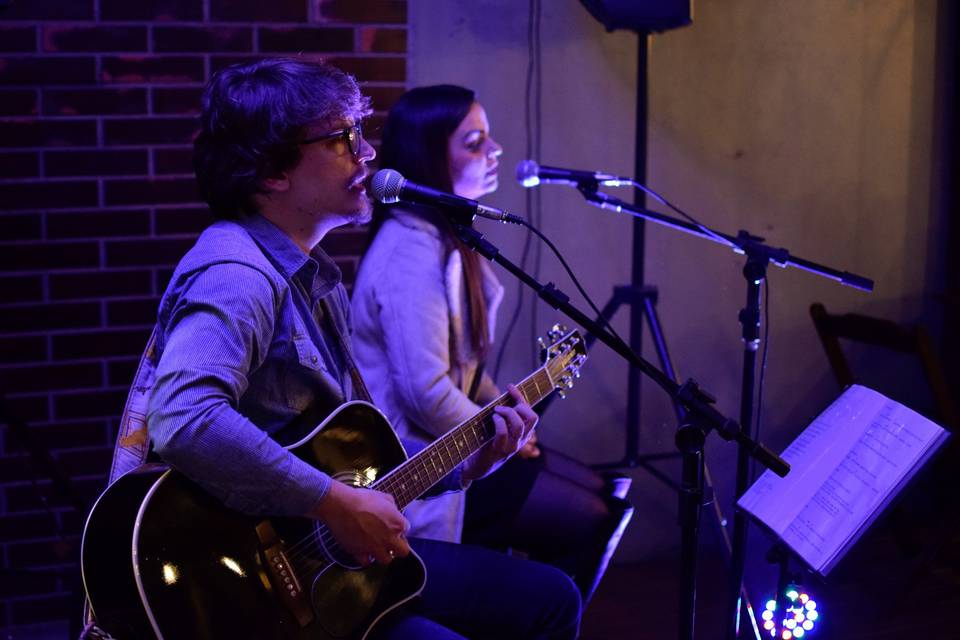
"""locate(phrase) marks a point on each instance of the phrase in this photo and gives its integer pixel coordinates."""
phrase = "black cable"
(576, 282)
(537, 217)
(763, 369)
(531, 200)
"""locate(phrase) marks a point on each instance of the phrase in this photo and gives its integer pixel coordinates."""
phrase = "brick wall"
(98, 100)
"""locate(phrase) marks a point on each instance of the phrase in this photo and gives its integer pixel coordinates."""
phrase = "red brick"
(382, 40)
(121, 372)
(152, 70)
(176, 100)
(120, 313)
(373, 69)
(258, 11)
(163, 277)
(151, 10)
(94, 404)
(144, 131)
(73, 102)
(88, 462)
(18, 102)
(173, 161)
(159, 191)
(33, 317)
(37, 71)
(24, 498)
(48, 133)
(76, 38)
(22, 226)
(348, 269)
(296, 39)
(21, 289)
(190, 39)
(66, 435)
(99, 344)
(18, 39)
(95, 163)
(383, 97)
(30, 583)
(97, 224)
(17, 468)
(23, 349)
(179, 221)
(30, 256)
(100, 284)
(47, 195)
(19, 165)
(345, 242)
(24, 526)
(29, 408)
(220, 62)
(50, 10)
(25, 379)
(121, 253)
(394, 11)
(44, 553)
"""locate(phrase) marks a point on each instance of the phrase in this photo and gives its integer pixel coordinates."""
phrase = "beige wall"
(804, 122)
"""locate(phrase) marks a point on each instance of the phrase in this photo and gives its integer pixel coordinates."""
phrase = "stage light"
(798, 621)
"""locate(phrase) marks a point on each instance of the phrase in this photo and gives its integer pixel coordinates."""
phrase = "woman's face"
(473, 156)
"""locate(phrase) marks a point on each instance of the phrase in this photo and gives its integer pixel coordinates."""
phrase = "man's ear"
(277, 183)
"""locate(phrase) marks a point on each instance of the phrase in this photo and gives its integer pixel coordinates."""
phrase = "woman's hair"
(415, 143)
(254, 117)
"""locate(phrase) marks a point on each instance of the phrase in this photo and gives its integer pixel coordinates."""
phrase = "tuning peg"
(556, 332)
(562, 393)
(541, 343)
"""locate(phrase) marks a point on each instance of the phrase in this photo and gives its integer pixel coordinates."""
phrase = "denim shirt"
(240, 362)
(241, 356)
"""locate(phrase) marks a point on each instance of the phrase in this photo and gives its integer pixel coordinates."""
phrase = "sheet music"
(845, 468)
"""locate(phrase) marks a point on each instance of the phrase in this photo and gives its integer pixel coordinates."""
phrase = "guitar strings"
(304, 548)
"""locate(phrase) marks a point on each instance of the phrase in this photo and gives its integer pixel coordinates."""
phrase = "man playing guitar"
(251, 350)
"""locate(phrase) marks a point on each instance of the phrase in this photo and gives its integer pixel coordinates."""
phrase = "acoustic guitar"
(162, 558)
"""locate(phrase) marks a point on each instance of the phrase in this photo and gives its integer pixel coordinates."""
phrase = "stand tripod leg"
(690, 441)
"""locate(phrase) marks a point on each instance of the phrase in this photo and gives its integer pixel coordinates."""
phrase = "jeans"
(476, 593)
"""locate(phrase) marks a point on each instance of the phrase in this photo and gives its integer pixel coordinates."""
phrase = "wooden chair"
(911, 339)
(907, 338)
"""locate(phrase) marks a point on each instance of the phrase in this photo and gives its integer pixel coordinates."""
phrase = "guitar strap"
(346, 354)
(475, 383)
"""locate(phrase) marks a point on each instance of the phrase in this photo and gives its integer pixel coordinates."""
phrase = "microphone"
(530, 174)
(388, 186)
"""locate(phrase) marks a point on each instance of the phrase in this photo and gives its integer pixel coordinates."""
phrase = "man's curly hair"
(253, 119)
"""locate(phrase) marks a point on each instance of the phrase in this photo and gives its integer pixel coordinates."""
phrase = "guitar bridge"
(282, 576)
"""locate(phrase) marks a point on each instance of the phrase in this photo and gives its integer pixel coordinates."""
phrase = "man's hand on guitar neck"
(514, 428)
(364, 522)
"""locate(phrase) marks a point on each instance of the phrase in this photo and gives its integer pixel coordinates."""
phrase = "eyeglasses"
(353, 135)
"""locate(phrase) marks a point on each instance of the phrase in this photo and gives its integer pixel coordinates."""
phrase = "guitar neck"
(414, 477)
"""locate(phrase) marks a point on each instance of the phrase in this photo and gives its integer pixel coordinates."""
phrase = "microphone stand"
(754, 271)
(699, 419)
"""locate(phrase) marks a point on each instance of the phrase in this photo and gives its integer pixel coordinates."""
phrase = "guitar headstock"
(563, 354)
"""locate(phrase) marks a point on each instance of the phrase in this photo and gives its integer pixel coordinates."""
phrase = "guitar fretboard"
(429, 466)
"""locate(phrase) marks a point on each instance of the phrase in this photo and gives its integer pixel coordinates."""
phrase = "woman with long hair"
(424, 313)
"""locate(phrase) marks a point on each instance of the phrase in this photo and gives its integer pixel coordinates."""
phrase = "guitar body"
(162, 558)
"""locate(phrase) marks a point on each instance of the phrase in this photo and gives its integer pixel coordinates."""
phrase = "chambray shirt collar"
(318, 273)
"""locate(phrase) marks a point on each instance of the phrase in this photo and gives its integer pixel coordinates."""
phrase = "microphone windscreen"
(386, 185)
(528, 173)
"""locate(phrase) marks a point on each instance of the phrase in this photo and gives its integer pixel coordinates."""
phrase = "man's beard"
(364, 215)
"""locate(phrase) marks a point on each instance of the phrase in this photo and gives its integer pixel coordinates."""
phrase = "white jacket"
(409, 302)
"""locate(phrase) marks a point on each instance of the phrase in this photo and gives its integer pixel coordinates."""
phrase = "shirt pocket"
(307, 354)
(306, 375)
